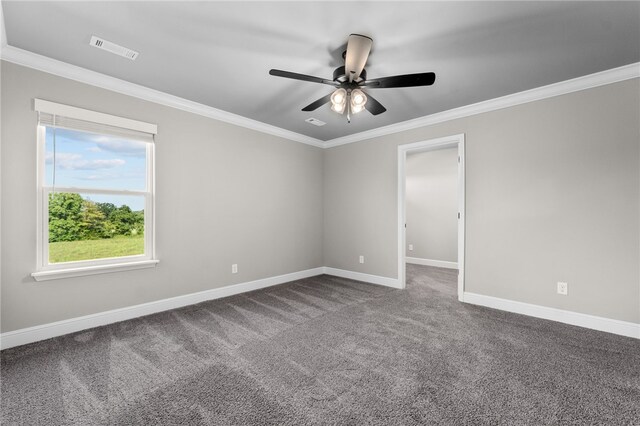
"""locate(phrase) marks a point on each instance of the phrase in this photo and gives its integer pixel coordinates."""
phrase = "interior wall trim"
(457, 141)
(359, 276)
(431, 262)
(59, 328)
(46, 331)
(83, 75)
(93, 78)
(614, 75)
(608, 325)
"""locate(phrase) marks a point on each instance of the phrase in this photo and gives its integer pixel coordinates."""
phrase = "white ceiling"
(219, 53)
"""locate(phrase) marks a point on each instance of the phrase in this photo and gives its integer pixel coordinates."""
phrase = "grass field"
(70, 251)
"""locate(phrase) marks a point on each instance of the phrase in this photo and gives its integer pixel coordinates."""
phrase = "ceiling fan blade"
(317, 104)
(303, 77)
(358, 48)
(406, 80)
(373, 106)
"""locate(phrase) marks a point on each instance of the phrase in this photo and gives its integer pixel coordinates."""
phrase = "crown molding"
(562, 88)
(83, 75)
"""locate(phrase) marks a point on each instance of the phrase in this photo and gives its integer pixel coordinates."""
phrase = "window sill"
(92, 270)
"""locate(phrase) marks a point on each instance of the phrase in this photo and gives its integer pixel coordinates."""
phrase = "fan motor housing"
(340, 72)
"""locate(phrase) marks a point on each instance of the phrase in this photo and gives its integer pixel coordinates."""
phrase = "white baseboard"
(359, 276)
(431, 262)
(622, 328)
(59, 328)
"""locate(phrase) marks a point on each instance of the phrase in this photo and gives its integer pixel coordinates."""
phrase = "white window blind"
(51, 120)
(65, 116)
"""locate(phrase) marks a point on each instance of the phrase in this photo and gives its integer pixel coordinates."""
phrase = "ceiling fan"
(351, 78)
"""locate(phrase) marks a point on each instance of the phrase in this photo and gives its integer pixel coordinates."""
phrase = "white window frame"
(48, 271)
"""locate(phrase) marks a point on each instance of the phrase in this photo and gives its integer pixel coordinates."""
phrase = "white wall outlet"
(410, 247)
(234, 268)
(562, 288)
(361, 259)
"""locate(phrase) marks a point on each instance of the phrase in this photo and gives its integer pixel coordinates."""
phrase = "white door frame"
(428, 145)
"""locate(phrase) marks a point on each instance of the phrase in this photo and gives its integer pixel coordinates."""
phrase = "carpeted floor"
(327, 350)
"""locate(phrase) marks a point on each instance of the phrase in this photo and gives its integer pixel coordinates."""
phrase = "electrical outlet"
(361, 259)
(410, 247)
(563, 288)
(234, 268)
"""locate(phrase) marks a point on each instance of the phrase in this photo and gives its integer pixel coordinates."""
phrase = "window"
(95, 192)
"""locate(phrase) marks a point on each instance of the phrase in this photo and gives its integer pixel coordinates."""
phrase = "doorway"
(455, 141)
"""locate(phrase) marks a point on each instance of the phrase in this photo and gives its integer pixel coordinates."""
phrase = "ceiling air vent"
(315, 122)
(103, 44)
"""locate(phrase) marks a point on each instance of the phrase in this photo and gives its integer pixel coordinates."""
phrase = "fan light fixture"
(356, 100)
(339, 100)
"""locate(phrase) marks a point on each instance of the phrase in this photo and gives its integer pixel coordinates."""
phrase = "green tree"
(107, 209)
(65, 216)
(123, 219)
(108, 229)
(139, 222)
(92, 221)
(72, 218)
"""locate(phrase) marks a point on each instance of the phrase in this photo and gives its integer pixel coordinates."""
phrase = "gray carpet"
(327, 350)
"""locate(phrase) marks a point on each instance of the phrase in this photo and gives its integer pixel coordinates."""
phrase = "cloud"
(124, 147)
(105, 143)
(71, 161)
(95, 164)
(62, 157)
(107, 176)
(110, 176)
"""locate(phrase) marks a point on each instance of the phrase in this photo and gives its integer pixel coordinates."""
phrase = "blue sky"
(90, 160)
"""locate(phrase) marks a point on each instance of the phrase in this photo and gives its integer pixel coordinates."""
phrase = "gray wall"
(225, 195)
(431, 201)
(552, 194)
